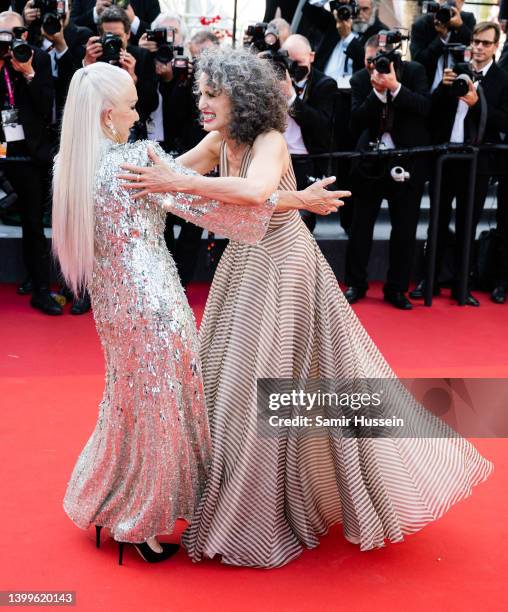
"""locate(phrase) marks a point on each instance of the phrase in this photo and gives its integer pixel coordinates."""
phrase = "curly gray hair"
(258, 104)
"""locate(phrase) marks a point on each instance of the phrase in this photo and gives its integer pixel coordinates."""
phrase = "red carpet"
(51, 383)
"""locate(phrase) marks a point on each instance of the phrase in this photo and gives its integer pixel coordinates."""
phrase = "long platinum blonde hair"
(92, 90)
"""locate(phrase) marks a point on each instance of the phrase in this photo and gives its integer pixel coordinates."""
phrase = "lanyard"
(10, 91)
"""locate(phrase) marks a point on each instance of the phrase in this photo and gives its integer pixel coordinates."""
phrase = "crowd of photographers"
(349, 87)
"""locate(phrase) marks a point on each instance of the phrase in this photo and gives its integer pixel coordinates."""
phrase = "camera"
(12, 42)
(442, 12)
(257, 35)
(181, 65)
(279, 60)
(165, 44)
(52, 13)
(384, 57)
(345, 10)
(461, 56)
(111, 47)
(121, 3)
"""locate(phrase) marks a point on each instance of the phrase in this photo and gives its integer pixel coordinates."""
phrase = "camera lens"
(21, 51)
(460, 86)
(164, 54)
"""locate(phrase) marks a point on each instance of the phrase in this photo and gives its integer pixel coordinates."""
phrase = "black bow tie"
(299, 90)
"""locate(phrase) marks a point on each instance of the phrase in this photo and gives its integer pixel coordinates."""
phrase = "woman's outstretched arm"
(263, 178)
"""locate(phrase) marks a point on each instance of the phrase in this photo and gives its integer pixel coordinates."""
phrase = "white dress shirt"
(339, 65)
(386, 138)
(438, 77)
(293, 133)
(462, 110)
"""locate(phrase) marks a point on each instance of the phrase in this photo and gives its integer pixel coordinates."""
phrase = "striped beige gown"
(275, 310)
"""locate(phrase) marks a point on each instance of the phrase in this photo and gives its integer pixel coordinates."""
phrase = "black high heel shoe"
(147, 553)
(98, 535)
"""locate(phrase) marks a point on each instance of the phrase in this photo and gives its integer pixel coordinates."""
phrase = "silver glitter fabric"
(242, 223)
(145, 463)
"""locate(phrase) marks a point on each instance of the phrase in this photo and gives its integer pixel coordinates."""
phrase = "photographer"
(310, 98)
(175, 123)
(140, 14)
(113, 46)
(52, 31)
(345, 31)
(26, 97)
(390, 103)
(444, 23)
(470, 108)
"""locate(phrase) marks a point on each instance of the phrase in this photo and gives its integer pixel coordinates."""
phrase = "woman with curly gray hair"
(275, 311)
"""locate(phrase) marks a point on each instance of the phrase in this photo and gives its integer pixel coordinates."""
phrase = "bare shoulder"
(272, 145)
(212, 141)
(269, 140)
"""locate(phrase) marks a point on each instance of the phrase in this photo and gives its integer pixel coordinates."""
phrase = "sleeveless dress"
(144, 465)
(275, 310)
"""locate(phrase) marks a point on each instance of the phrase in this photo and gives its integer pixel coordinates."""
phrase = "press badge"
(13, 130)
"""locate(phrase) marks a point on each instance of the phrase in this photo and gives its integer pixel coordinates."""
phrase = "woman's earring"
(113, 131)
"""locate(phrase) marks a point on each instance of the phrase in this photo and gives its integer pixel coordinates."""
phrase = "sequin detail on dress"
(145, 463)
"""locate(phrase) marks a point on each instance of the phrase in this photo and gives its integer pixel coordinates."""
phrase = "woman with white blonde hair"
(145, 463)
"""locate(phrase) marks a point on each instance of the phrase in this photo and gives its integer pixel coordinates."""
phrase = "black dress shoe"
(26, 287)
(498, 296)
(418, 292)
(353, 294)
(470, 299)
(43, 301)
(398, 299)
(81, 305)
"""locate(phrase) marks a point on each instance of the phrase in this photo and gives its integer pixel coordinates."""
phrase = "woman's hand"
(319, 200)
(158, 178)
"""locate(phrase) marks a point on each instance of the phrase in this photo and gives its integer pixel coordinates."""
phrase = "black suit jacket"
(503, 9)
(146, 85)
(426, 45)
(410, 108)
(287, 9)
(146, 10)
(444, 107)
(314, 113)
(35, 103)
(326, 22)
(503, 60)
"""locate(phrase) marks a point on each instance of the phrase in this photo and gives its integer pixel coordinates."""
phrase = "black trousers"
(304, 168)
(502, 232)
(404, 206)
(28, 180)
(455, 186)
(185, 248)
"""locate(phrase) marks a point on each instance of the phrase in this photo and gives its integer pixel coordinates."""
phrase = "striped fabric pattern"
(275, 311)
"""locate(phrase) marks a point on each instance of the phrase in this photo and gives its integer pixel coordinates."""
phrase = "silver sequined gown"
(145, 464)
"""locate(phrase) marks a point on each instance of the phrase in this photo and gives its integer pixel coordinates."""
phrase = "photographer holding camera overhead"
(113, 47)
(346, 28)
(390, 103)
(140, 14)
(470, 106)
(26, 102)
(442, 22)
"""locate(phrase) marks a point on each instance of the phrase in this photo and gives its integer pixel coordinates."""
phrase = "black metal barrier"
(445, 152)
